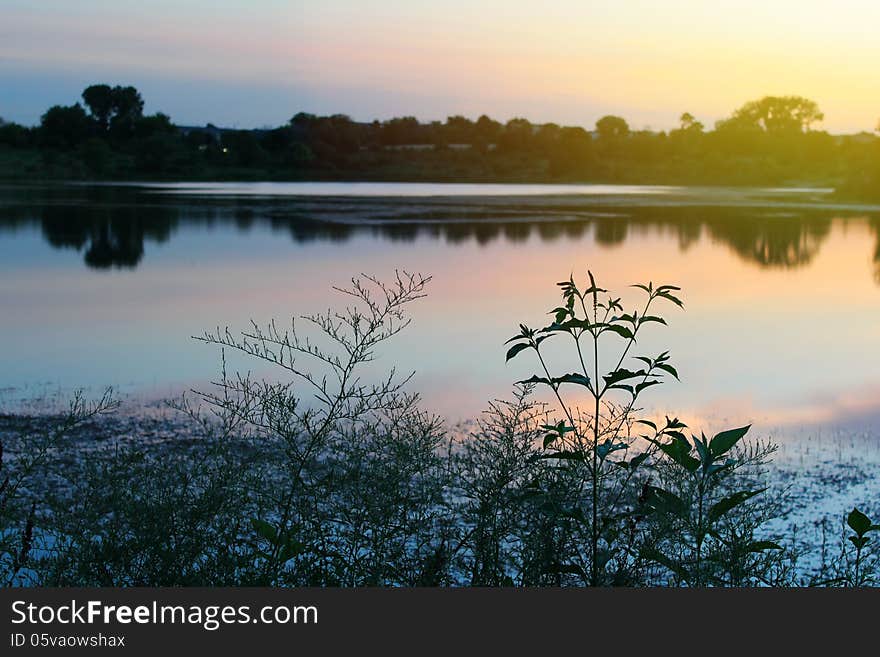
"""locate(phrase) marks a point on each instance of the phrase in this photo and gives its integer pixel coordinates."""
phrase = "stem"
(595, 523)
(556, 392)
(858, 565)
(699, 577)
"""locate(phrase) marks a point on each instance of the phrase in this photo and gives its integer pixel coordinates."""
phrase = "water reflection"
(110, 225)
(756, 276)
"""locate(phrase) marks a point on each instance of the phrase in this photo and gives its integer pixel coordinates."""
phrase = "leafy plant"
(861, 573)
(702, 545)
(595, 443)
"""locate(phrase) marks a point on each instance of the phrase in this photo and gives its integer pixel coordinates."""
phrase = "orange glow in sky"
(564, 61)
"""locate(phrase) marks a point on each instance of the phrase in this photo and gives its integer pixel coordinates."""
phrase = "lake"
(106, 284)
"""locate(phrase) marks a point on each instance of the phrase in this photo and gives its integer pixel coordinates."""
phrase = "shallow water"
(105, 285)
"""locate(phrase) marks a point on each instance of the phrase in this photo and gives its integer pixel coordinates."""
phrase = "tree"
(774, 114)
(459, 130)
(689, 123)
(612, 127)
(402, 130)
(517, 136)
(114, 109)
(99, 99)
(65, 126)
(128, 109)
(157, 123)
(487, 129)
(13, 134)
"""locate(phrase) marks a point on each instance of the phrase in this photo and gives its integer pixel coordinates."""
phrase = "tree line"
(773, 140)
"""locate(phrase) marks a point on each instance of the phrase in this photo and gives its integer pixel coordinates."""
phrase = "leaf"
(859, 522)
(652, 554)
(614, 304)
(731, 501)
(636, 461)
(594, 289)
(715, 468)
(578, 379)
(265, 530)
(608, 447)
(703, 451)
(644, 384)
(651, 318)
(622, 331)
(568, 326)
(535, 379)
(555, 431)
(667, 368)
(525, 333)
(621, 375)
(565, 456)
(560, 314)
(723, 441)
(760, 546)
(679, 451)
(560, 427)
(647, 423)
(515, 349)
(575, 513)
(566, 568)
(671, 297)
(664, 501)
(291, 549)
(859, 541)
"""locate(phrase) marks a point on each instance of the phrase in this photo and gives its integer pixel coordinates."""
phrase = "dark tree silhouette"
(612, 127)
(65, 126)
(776, 114)
(114, 109)
(99, 99)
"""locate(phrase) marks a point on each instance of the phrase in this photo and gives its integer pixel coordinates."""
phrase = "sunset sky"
(256, 63)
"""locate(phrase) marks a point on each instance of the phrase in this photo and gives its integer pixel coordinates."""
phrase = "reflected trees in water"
(110, 226)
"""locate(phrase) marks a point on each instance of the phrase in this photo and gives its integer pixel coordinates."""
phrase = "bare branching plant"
(504, 538)
(357, 495)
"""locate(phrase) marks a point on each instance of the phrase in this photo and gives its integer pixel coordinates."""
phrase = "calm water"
(105, 285)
